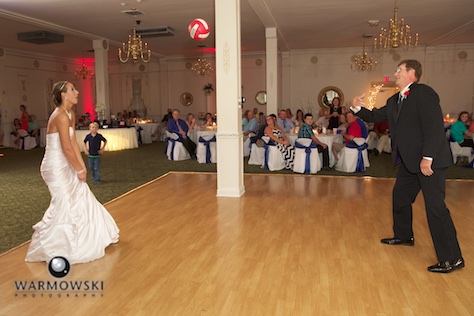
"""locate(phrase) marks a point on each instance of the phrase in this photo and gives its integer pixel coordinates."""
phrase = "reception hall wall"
(26, 78)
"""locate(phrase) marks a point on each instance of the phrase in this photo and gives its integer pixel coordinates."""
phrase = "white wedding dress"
(75, 225)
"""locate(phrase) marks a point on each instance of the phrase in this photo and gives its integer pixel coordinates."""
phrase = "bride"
(75, 225)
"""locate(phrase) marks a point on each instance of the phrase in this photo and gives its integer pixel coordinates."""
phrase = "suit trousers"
(443, 232)
(189, 145)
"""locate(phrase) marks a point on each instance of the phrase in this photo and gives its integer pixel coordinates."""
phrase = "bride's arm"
(62, 124)
(75, 146)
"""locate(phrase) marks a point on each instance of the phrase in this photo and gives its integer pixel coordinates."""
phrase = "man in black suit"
(419, 145)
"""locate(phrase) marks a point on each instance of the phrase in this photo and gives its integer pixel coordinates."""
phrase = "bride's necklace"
(68, 113)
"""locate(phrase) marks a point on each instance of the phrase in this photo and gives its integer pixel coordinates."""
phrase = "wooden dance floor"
(292, 245)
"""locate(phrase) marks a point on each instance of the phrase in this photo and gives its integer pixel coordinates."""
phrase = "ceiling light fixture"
(362, 61)
(135, 47)
(83, 72)
(398, 34)
(202, 67)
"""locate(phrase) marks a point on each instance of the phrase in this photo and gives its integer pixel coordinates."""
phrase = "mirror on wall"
(186, 99)
(261, 97)
(327, 94)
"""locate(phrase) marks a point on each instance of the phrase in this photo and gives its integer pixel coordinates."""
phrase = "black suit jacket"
(416, 130)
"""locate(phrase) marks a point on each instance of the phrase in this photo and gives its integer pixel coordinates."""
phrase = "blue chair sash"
(267, 151)
(173, 144)
(308, 149)
(23, 142)
(207, 143)
(360, 167)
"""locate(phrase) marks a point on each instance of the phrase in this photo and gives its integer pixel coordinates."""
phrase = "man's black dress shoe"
(447, 266)
(397, 241)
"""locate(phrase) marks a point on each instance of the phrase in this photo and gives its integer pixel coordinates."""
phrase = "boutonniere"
(405, 93)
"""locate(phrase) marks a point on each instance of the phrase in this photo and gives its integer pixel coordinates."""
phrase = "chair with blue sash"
(247, 145)
(206, 148)
(273, 159)
(257, 154)
(175, 149)
(353, 157)
(27, 142)
(307, 158)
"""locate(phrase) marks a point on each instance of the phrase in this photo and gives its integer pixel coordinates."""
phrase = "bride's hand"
(82, 175)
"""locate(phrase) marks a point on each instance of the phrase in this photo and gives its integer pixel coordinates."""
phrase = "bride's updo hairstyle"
(58, 87)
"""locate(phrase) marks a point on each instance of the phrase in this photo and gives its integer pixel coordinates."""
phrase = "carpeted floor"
(24, 197)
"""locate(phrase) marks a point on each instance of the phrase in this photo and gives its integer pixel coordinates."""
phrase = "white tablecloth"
(117, 138)
(148, 132)
(194, 135)
(328, 139)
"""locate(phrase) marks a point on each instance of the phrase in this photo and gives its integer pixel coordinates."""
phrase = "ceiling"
(301, 24)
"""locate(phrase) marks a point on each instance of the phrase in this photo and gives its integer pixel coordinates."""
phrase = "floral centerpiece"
(100, 110)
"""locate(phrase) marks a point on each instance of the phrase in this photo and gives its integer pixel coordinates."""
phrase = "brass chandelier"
(362, 61)
(397, 34)
(83, 72)
(135, 48)
(202, 67)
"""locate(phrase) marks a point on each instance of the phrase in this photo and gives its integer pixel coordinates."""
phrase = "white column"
(230, 169)
(272, 69)
(101, 47)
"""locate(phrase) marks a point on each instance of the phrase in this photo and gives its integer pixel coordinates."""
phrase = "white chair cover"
(246, 149)
(307, 159)
(459, 151)
(26, 141)
(348, 157)
(175, 149)
(202, 151)
(257, 155)
(273, 158)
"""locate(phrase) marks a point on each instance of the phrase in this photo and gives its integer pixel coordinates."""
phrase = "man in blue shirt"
(285, 123)
(94, 149)
(178, 126)
(306, 131)
(252, 124)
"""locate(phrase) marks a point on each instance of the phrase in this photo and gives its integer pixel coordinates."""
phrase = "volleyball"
(199, 29)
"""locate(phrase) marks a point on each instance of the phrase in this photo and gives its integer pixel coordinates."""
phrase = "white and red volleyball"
(199, 29)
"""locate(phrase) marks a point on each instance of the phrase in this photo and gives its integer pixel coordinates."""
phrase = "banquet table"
(148, 131)
(328, 139)
(194, 135)
(117, 138)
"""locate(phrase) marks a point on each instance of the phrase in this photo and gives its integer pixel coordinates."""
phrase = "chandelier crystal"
(202, 67)
(83, 72)
(134, 48)
(398, 34)
(362, 61)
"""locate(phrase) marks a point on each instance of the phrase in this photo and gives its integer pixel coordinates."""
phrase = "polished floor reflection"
(292, 245)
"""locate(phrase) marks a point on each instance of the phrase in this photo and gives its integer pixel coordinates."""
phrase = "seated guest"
(284, 122)
(167, 116)
(261, 119)
(460, 132)
(16, 134)
(120, 120)
(306, 131)
(298, 120)
(252, 124)
(342, 123)
(33, 128)
(356, 129)
(321, 120)
(381, 134)
(191, 121)
(255, 113)
(178, 126)
(334, 111)
(84, 121)
(209, 119)
(282, 143)
(289, 114)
